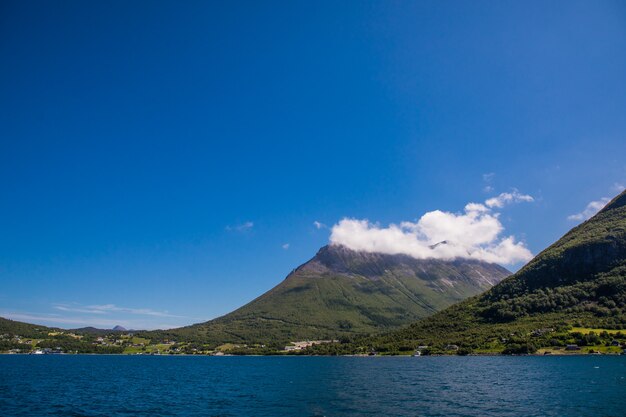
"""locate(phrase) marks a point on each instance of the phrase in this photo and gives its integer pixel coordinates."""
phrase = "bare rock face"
(338, 259)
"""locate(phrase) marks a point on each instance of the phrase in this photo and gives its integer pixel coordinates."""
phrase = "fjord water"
(86, 385)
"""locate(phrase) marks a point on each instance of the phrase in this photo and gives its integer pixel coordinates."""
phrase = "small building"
(572, 347)
(541, 332)
(451, 347)
(307, 343)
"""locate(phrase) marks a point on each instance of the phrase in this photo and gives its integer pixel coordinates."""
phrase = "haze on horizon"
(161, 165)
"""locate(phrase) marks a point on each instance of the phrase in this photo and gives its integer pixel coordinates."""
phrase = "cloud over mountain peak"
(476, 233)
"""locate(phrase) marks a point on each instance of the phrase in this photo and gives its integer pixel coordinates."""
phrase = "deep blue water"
(66, 385)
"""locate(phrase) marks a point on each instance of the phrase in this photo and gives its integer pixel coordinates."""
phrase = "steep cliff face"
(341, 292)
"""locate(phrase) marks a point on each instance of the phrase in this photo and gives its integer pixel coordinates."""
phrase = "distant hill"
(578, 281)
(95, 330)
(12, 328)
(343, 292)
(25, 337)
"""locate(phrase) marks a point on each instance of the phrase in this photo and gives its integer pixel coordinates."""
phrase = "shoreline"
(322, 356)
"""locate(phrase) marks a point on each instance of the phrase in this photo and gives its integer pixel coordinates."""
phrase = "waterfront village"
(60, 342)
(131, 343)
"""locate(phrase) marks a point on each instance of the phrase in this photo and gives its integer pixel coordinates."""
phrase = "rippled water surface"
(68, 385)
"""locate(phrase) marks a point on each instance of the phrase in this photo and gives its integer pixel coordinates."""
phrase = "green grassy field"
(588, 330)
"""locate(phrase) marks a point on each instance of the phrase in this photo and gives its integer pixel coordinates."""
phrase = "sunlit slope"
(343, 292)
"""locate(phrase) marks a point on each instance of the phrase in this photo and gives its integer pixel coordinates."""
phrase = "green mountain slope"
(18, 328)
(578, 281)
(342, 292)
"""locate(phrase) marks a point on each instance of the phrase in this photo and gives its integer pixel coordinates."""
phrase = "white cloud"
(112, 308)
(489, 176)
(507, 198)
(285, 246)
(51, 318)
(473, 234)
(589, 211)
(319, 225)
(243, 227)
(63, 307)
(595, 206)
(74, 322)
(73, 315)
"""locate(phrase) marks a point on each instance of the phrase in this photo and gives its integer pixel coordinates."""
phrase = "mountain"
(343, 292)
(578, 281)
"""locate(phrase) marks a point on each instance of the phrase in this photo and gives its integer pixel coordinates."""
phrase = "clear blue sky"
(137, 140)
